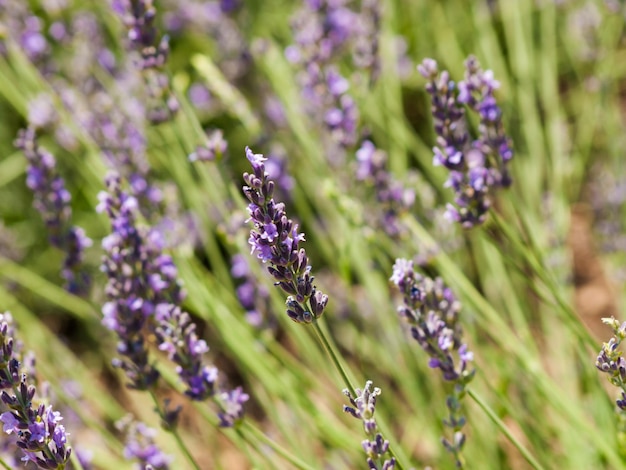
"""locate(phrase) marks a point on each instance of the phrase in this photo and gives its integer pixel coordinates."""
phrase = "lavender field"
(312, 234)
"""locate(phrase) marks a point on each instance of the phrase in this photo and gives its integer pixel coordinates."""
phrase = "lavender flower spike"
(275, 239)
(39, 432)
(478, 167)
(376, 447)
(128, 307)
(52, 201)
(433, 313)
(611, 360)
(139, 16)
(144, 297)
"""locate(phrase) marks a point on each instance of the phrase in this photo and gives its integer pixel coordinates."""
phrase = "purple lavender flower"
(611, 361)
(144, 295)
(322, 29)
(254, 298)
(477, 167)
(391, 196)
(375, 446)
(365, 52)
(275, 238)
(52, 201)
(140, 445)
(214, 148)
(129, 303)
(433, 313)
(232, 402)
(139, 16)
(176, 334)
(39, 432)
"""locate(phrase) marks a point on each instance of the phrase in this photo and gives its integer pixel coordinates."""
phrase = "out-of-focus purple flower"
(214, 148)
(131, 287)
(433, 313)
(41, 112)
(479, 167)
(52, 200)
(232, 402)
(200, 96)
(365, 52)
(611, 361)
(392, 197)
(322, 30)
(39, 431)
(140, 445)
(177, 337)
(275, 239)
(144, 295)
(254, 298)
(139, 17)
(375, 446)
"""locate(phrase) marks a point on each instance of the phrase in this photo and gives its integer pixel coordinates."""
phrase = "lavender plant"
(52, 200)
(375, 446)
(39, 431)
(140, 445)
(433, 313)
(139, 17)
(275, 239)
(392, 198)
(478, 167)
(145, 296)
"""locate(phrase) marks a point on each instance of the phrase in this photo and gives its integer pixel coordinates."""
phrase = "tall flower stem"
(331, 349)
(505, 430)
(531, 253)
(263, 438)
(172, 430)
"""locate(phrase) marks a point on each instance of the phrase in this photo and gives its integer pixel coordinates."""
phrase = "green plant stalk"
(505, 338)
(505, 430)
(262, 437)
(174, 432)
(331, 349)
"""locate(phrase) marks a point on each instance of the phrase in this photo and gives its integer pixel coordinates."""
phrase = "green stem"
(181, 444)
(258, 434)
(334, 357)
(505, 430)
(331, 349)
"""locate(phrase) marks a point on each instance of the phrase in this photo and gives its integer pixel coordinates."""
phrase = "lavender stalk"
(52, 200)
(144, 297)
(375, 446)
(433, 313)
(478, 167)
(276, 240)
(39, 432)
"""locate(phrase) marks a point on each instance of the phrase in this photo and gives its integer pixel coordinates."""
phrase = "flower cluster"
(176, 335)
(433, 313)
(254, 298)
(322, 29)
(214, 148)
(144, 296)
(478, 167)
(39, 432)
(139, 16)
(366, 43)
(375, 446)
(392, 197)
(52, 200)
(611, 361)
(275, 239)
(140, 445)
(130, 287)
